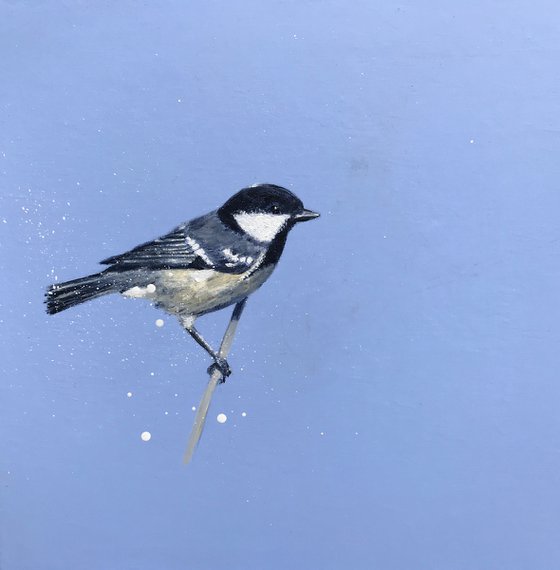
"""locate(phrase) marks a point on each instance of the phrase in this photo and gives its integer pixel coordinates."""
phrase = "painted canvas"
(391, 396)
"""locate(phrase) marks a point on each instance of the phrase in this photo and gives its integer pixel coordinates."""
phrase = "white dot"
(129, 394)
(159, 322)
(151, 288)
(243, 414)
(222, 418)
(193, 408)
(322, 433)
(472, 141)
(146, 436)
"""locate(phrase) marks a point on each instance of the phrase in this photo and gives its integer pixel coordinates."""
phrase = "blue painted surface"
(399, 372)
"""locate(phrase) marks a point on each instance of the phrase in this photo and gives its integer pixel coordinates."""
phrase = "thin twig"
(215, 376)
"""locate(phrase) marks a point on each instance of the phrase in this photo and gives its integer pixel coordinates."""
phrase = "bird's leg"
(219, 361)
(228, 336)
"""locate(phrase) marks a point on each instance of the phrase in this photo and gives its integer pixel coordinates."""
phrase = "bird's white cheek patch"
(260, 226)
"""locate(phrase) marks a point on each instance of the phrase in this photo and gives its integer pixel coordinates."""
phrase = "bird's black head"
(264, 211)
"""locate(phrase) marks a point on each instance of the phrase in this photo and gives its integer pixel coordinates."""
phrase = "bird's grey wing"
(174, 250)
(202, 243)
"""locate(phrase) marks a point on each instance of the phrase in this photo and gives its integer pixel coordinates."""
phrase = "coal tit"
(201, 266)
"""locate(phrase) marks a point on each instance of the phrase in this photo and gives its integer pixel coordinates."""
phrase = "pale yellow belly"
(196, 292)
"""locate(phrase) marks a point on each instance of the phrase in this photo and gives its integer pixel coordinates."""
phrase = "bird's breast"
(196, 292)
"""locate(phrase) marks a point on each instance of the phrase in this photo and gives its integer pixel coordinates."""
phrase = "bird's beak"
(306, 215)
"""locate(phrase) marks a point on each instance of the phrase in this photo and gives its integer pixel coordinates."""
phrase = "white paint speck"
(151, 288)
(193, 408)
(129, 394)
(135, 292)
(322, 433)
(146, 436)
(159, 322)
(222, 418)
(472, 141)
(244, 414)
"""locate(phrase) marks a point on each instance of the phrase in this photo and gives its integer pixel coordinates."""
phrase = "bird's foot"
(220, 364)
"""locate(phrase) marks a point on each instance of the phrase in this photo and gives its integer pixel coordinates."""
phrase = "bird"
(203, 265)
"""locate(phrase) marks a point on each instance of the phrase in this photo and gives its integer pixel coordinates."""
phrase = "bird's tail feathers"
(62, 296)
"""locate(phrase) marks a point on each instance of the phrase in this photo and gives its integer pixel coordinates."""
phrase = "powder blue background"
(399, 372)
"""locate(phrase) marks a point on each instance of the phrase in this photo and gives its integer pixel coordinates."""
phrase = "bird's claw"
(220, 364)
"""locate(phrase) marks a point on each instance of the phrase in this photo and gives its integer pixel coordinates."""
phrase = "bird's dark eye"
(276, 208)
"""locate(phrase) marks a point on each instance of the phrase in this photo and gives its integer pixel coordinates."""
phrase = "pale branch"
(215, 377)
